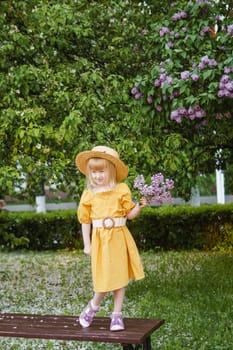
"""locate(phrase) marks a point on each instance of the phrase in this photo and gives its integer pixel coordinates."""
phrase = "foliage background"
(66, 73)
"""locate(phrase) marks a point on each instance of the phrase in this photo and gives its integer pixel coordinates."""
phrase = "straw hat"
(105, 153)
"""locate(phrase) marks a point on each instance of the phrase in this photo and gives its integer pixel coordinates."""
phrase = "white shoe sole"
(83, 323)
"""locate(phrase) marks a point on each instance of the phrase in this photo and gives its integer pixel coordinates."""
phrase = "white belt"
(109, 222)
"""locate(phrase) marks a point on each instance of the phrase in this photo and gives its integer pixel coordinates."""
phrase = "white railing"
(73, 205)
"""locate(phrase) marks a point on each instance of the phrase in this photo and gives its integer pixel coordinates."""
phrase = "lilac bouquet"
(158, 191)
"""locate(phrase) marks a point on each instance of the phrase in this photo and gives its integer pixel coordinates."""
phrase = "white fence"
(72, 205)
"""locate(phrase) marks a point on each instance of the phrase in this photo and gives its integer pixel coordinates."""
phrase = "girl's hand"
(143, 202)
(87, 250)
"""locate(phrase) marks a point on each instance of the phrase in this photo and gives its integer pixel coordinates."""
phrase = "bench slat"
(68, 328)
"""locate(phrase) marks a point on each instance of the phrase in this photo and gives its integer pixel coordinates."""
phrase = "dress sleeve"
(126, 198)
(84, 208)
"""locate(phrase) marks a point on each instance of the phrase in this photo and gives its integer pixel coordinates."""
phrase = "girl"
(105, 205)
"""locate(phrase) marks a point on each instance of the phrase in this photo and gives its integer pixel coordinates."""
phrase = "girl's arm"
(137, 209)
(86, 232)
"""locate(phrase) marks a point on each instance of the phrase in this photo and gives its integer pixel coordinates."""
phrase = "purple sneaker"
(117, 323)
(87, 315)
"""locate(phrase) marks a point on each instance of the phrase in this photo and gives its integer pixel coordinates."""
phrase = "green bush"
(206, 227)
(52, 230)
(182, 227)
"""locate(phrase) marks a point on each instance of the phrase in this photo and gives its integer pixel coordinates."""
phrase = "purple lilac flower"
(227, 115)
(183, 14)
(212, 63)
(175, 17)
(158, 191)
(190, 113)
(179, 15)
(204, 30)
(157, 83)
(183, 111)
(225, 86)
(207, 62)
(229, 86)
(221, 86)
(169, 80)
(225, 79)
(138, 96)
(221, 93)
(163, 78)
(149, 99)
(163, 31)
(195, 77)
(219, 116)
(230, 29)
(159, 108)
(228, 70)
(170, 44)
(139, 182)
(134, 91)
(175, 116)
(201, 66)
(199, 112)
(205, 59)
(185, 75)
(169, 184)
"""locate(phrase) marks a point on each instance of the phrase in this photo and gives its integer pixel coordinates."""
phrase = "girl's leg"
(98, 297)
(119, 295)
(117, 323)
(87, 315)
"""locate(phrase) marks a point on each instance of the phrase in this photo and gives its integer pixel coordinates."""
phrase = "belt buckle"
(108, 222)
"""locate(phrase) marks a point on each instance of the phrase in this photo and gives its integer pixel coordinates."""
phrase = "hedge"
(167, 227)
(206, 227)
(40, 231)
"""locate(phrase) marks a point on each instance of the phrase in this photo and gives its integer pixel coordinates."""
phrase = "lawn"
(192, 291)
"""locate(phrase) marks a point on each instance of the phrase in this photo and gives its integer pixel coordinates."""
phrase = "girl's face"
(101, 173)
(100, 177)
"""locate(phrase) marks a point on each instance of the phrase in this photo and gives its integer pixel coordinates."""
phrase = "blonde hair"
(101, 164)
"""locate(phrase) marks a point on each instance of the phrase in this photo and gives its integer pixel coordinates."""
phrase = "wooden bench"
(137, 334)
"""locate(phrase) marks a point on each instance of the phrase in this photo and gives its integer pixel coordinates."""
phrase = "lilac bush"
(194, 73)
(180, 15)
(226, 84)
(158, 191)
(185, 96)
(192, 113)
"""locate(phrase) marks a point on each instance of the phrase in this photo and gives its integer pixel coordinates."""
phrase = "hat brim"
(83, 157)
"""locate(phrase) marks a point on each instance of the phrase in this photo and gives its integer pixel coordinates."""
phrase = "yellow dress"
(114, 255)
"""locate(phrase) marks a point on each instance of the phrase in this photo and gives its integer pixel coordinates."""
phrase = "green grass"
(192, 291)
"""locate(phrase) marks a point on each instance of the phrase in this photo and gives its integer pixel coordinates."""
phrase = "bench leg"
(145, 346)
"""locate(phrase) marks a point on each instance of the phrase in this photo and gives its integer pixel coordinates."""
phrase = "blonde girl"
(104, 208)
